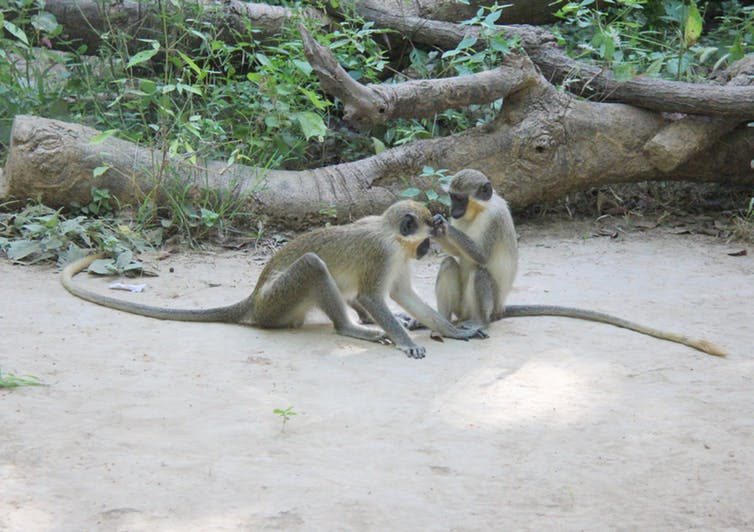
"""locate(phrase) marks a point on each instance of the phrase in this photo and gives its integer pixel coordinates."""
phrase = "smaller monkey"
(362, 262)
(474, 282)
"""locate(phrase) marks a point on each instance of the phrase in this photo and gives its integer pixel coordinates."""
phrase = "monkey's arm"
(404, 295)
(377, 308)
(458, 243)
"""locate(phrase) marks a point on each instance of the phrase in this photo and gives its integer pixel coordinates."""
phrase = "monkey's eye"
(409, 225)
(454, 196)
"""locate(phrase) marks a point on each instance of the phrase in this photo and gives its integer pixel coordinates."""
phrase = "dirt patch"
(551, 423)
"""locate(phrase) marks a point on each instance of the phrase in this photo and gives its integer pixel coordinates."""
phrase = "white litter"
(128, 287)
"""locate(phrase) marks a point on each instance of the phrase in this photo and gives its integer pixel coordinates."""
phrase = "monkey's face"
(414, 226)
(469, 190)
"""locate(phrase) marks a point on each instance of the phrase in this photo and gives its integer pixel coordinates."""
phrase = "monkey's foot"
(413, 350)
(475, 329)
(363, 333)
(409, 322)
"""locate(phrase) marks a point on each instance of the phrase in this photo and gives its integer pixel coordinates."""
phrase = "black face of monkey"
(458, 204)
(422, 249)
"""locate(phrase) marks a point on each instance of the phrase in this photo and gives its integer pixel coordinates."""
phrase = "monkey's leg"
(306, 283)
(485, 296)
(364, 316)
(448, 288)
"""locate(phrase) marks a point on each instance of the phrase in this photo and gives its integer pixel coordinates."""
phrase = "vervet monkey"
(363, 262)
(474, 282)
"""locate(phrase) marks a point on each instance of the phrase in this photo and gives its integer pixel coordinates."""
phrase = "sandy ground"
(550, 424)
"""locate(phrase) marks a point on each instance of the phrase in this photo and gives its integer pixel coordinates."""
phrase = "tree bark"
(86, 21)
(514, 11)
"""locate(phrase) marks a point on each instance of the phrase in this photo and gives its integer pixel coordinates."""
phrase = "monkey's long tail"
(520, 311)
(226, 314)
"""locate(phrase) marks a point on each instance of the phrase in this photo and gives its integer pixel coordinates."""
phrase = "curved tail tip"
(709, 348)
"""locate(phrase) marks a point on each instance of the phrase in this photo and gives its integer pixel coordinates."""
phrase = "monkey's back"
(349, 251)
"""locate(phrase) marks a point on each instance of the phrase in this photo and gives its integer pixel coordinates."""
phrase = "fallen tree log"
(87, 21)
(528, 159)
(681, 139)
(513, 11)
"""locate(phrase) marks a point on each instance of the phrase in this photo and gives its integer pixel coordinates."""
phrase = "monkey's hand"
(439, 225)
(413, 350)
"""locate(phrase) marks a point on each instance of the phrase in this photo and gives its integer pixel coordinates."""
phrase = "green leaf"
(655, 66)
(378, 145)
(34, 228)
(693, 29)
(500, 44)
(20, 249)
(133, 266)
(44, 21)
(9, 380)
(490, 19)
(314, 98)
(188, 88)
(263, 59)
(148, 86)
(312, 125)
(17, 32)
(209, 217)
(303, 66)
(71, 226)
(100, 170)
(192, 65)
(410, 193)
(467, 42)
(144, 55)
(123, 260)
(103, 136)
(271, 121)
(103, 267)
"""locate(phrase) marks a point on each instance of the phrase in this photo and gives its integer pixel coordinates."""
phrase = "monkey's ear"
(408, 225)
(485, 191)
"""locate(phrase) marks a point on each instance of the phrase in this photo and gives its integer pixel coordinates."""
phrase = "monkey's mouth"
(422, 249)
(458, 206)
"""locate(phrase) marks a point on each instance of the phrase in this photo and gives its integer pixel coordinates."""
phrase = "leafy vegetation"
(285, 415)
(9, 380)
(674, 39)
(38, 233)
(439, 179)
